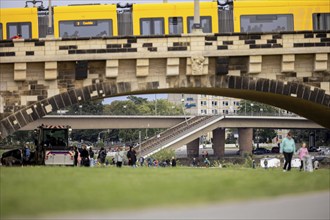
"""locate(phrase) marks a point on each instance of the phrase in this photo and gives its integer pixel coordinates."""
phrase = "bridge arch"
(302, 99)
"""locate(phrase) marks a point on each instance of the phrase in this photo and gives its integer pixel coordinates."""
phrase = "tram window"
(321, 21)
(175, 25)
(86, 28)
(19, 28)
(206, 23)
(266, 23)
(1, 32)
(151, 26)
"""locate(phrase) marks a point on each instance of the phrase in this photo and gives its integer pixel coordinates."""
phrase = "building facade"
(206, 104)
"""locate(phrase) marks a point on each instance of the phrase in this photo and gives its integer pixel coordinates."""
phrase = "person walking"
(288, 148)
(302, 153)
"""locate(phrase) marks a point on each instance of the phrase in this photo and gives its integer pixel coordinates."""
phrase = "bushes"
(165, 154)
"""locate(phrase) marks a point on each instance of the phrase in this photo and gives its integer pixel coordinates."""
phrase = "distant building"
(206, 104)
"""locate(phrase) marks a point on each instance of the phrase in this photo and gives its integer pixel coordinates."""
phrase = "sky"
(149, 97)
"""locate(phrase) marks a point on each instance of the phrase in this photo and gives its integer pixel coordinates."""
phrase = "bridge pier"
(219, 142)
(245, 140)
(193, 148)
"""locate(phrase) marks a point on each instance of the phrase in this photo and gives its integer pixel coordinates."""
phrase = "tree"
(137, 100)
(163, 155)
(86, 108)
(322, 136)
(255, 108)
(140, 106)
(265, 135)
(122, 108)
(19, 138)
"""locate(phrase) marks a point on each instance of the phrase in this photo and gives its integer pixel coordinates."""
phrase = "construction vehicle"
(52, 145)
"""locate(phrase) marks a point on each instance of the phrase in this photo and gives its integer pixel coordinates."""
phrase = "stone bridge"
(290, 70)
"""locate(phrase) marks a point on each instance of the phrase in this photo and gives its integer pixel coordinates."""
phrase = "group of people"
(287, 148)
(206, 162)
(87, 156)
(155, 163)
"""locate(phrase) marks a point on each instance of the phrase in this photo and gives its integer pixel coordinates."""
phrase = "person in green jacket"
(288, 148)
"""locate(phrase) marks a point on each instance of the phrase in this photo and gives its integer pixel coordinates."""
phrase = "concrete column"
(197, 20)
(193, 148)
(197, 27)
(219, 142)
(245, 140)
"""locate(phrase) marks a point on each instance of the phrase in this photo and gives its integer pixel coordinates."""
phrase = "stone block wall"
(33, 70)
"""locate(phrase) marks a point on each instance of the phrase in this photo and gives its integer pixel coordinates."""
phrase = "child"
(207, 162)
(302, 152)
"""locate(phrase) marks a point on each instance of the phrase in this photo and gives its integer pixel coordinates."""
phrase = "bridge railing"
(175, 135)
(281, 114)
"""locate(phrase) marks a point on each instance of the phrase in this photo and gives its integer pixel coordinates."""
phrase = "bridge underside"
(295, 97)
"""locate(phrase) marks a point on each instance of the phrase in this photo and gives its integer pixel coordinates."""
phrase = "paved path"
(307, 206)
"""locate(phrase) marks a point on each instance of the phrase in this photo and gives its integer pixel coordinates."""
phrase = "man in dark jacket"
(102, 155)
(131, 156)
(84, 157)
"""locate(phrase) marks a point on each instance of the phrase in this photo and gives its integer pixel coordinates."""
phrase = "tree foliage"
(256, 108)
(165, 154)
(86, 108)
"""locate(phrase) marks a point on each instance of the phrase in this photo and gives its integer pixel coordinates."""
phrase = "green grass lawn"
(38, 191)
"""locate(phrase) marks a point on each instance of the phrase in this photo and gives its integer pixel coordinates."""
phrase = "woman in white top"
(119, 156)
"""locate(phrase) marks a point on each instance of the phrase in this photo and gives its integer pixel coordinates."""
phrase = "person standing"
(75, 156)
(141, 160)
(194, 162)
(173, 162)
(119, 156)
(302, 153)
(102, 156)
(27, 154)
(91, 157)
(131, 156)
(288, 148)
(84, 157)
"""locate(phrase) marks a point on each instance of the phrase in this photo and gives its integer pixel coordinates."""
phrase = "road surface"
(306, 206)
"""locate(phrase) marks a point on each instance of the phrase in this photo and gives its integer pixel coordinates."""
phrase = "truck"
(52, 145)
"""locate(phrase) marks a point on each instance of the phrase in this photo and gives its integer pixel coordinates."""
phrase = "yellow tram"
(106, 20)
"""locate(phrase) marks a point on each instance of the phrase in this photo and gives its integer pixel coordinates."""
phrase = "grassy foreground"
(38, 191)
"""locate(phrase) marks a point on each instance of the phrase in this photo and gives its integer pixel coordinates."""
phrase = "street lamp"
(155, 104)
(184, 113)
(140, 143)
(172, 112)
(124, 109)
(252, 108)
(257, 137)
(80, 109)
(261, 111)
